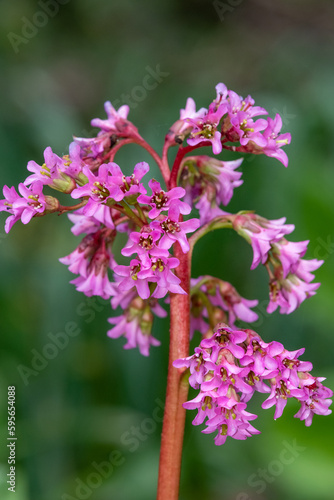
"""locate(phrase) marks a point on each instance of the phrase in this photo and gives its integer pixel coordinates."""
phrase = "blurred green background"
(85, 405)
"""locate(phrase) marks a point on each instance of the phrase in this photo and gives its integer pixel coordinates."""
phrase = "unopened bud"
(52, 204)
(65, 184)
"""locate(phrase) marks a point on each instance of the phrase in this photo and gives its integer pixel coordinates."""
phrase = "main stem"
(177, 387)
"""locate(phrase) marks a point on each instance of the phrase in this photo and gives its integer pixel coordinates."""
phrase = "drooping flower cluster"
(290, 275)
(209, 183)
(231, 365)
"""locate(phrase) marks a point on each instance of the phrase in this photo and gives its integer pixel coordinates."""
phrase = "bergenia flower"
(160, 200)
(130, 185)
(206, 129)
(275, 140)
(230, 366)
(116, 121)
(50, 173)
(209, 183)
(261, 233)
(135, 324)
(173, 230)
(32, 202)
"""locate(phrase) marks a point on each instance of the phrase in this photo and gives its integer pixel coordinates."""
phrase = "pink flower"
(182, 127)
(276, 141)
(135, 275)
(237, 307)
(84, 224)
(210, 183)
(240, 126)
(261, 233)
(91, 260)
(144, 244)
(93, 147)
(290, 275)
(212, 298)
(208, 208)
(231, 421)
(130, 185)
(73, 164)
(160, 200)
(166, 280)
(173, 230)
(117, 120)
(135, 324)
(289, 294)
(316, 399)
(205, 129)
(32, 202)
(151, 270)
(230, 366)
(289, 253)
(96, 280)
(99, 188)
(50, 173)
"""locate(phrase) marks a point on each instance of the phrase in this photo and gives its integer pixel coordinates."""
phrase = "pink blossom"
(50, 173)
(208, 209)
(230, 366)
(289, 253)
(130, 185)
(173, 230)
(135, 275)
(165, 279)
(131, 330)
(233, 422)
(210, 183)
(93, 147)
(275, 140)
(161, 201)
(288, 294)
(144, 244)
(99, 188)
(240, 126)
(117, 120)
(32, 202)
(316, 399)
(206, 129)
(261, 233)
(135, 324)
(91, 260)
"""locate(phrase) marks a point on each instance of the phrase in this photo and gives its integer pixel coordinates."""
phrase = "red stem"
(179, 157)
(163, 165)
(177, 389)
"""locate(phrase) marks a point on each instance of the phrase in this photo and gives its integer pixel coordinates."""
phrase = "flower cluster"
(136, 321)
(231, 119)
(231, 365)
(290, 275)
(209, 183)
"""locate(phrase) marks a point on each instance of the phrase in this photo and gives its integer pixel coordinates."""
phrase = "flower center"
(170, 226)
(134, 270)
(146, 243)
(35, 203)
(100, 190)
(159, 199)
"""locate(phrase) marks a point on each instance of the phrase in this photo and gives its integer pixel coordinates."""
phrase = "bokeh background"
(85, 405)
